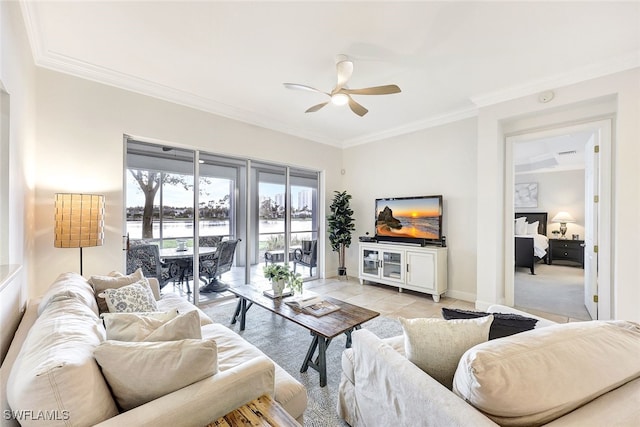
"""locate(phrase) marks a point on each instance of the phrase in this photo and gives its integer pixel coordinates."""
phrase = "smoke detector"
(545, 97)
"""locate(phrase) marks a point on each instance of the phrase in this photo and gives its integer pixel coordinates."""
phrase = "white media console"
(419, 268)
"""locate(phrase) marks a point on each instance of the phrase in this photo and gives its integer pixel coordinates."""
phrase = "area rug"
(286, 343)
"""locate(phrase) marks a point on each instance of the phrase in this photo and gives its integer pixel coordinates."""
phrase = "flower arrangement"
(278, 273)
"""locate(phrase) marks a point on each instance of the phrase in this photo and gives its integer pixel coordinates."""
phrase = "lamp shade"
(79, 220)
(562, 217)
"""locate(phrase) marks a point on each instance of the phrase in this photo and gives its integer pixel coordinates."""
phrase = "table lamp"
(563, 218)
(79, 221)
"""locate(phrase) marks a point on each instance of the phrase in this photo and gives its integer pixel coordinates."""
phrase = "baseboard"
(464, 296)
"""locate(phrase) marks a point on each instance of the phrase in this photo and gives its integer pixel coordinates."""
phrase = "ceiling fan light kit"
(341, 94)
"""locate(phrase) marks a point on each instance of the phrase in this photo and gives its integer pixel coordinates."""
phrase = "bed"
(531, 243)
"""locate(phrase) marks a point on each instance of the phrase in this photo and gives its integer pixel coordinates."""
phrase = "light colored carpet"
(553, 289)
(286, 343)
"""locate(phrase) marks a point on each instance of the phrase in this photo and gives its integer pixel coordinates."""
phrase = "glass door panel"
(392, 264)
(221, 201)
(304, 222)
(370, 262)
(159, 209)
(270, 244)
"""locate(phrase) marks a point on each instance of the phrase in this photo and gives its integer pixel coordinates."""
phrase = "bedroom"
(550, 180)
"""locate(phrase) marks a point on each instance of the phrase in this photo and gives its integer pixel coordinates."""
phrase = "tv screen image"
(409, 218)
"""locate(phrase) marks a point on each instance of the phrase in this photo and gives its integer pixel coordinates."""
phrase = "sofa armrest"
(204, 401)
(390, 390)
(542, 322)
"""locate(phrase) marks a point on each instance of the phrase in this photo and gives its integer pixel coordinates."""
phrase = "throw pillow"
(112, 281)
(436, 345)
(151, 327)
(136, 297)
(503, 324)
(140, 372)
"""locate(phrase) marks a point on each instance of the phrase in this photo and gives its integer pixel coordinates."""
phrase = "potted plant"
(281, 276)
(340, 226)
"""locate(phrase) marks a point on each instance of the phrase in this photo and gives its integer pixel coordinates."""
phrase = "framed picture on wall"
(526, 195)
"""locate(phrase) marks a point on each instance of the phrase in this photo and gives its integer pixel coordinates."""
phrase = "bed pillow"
(113, 280)
(139, 372)
(133, 298)
(520, 226)
(532, 229)
(436, 345)
(138, 327)
(503, 325)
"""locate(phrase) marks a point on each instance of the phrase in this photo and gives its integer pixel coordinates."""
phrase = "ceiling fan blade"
(377, 90)
(296, 86)
(345, 69)
(357, 108)
(316, 107)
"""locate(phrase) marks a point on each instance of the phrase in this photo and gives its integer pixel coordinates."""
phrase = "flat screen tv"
(409, 219)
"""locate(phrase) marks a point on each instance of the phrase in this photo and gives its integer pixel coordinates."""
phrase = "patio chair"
(306, 255)
(147, 257)
(210, 270)
(205, 260)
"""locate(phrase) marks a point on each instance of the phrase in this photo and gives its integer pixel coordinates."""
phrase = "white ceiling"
(231, 58)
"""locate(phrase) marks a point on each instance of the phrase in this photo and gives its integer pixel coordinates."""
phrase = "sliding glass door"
(270, 213)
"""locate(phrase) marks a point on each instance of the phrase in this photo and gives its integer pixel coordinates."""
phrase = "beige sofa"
(574, 374)
(54, 380)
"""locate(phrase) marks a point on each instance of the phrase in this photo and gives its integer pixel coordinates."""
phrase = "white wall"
(618, 95)
(559, 191)
(440, 160)
(80, 148)
(17, 75)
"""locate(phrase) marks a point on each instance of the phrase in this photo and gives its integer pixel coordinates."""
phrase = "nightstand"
(566, 250)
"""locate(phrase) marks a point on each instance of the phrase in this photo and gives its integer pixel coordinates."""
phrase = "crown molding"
(612, 66)
(419, 125)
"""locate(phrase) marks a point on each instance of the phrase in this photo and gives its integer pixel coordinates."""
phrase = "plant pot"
(278, 286)
(342, 271)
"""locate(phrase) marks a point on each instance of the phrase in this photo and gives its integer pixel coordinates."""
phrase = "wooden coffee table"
(323, 329)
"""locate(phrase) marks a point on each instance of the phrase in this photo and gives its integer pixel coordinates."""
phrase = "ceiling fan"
(341, 94)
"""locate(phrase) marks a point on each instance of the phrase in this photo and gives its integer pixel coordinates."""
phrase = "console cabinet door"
(421, 271)
(393, 266)
(369, 262)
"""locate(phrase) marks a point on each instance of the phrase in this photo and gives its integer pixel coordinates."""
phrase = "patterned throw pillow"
(133, 298)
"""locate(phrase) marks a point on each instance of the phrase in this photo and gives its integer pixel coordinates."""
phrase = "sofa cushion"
(69, 285)
(503, 325)
(537, 376)
(133, 298)
(151, 327)
(436, 345)
(113, 280)
(139, 372)
(176, 302)
(55, 369)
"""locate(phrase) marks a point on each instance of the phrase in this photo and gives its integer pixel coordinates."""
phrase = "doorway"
(570, 169)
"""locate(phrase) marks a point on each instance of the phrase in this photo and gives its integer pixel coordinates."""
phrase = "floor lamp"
(79, 221)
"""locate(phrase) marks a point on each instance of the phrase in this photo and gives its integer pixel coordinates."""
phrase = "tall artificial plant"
(340, 226)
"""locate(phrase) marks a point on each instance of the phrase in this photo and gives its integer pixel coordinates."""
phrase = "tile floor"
(384, 299)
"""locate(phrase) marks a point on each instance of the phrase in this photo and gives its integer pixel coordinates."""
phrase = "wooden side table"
(566, 250)
(261, 412)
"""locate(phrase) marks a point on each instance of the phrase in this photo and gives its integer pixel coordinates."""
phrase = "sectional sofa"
(573, 374)
(52, 376)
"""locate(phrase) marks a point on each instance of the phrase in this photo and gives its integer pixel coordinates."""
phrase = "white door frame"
(605, 223)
